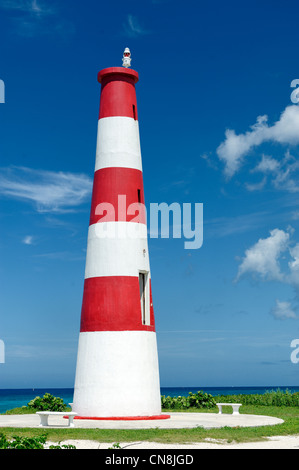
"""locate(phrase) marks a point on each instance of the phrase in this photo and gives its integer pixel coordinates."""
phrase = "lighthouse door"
(142, 287)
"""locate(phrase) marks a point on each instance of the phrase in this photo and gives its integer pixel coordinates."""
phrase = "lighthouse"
(117, 373)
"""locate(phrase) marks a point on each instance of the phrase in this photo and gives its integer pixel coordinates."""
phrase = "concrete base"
(176, 421)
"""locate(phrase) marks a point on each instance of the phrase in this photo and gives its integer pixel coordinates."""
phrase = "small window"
(134, 112)
(139, 195)
(144, 298)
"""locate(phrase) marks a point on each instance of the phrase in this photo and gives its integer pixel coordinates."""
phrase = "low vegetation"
(284, 405)
(202, 400)
(192, 400)
(23, 442)
(47, 403)
(270, 398)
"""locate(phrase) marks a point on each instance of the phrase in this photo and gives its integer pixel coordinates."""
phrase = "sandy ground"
(277, 442)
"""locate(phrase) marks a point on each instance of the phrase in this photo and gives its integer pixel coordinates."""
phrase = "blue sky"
(217, 127)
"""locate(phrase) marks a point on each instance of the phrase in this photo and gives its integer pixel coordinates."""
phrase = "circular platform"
(176, 421)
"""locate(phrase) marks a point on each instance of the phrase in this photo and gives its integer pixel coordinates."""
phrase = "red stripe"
(114, 192)
(113, 304)
(118, 95)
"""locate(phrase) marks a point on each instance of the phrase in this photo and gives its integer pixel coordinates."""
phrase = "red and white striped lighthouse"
(117, 373)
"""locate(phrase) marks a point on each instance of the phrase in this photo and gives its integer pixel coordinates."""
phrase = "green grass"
(289, 414)
(284, 405)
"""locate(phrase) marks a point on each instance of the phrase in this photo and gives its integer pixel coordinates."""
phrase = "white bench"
(235, 407)
(44, 416)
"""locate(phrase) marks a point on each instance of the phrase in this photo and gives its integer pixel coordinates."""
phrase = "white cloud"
(263, 257)
(286, 178)
(49, 191)
(264, 260)
(267, 165)
(28, 240)
(283, 311)
(281, 173)
(235, 148)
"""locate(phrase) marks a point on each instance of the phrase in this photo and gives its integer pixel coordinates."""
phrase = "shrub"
(48, 403)
(22, 442)
(205, 400)
(270, 398)
(193, 400)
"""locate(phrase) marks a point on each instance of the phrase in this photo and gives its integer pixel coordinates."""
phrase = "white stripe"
(118, 143)
(117, 374)
(116, 249)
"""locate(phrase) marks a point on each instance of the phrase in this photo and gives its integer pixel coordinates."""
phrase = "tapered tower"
(117, 373)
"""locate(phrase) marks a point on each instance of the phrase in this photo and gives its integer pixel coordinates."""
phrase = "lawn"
(289, 414)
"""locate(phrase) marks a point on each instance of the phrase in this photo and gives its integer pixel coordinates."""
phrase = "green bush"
(205, 400)
(22, 442)
(270, 398)
(193, 400)
(47, 403)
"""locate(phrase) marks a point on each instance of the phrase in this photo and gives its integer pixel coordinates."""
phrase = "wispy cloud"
(32, 7)
(256, 186)
(28, 240)
(283, 174)
(133, 28)
(209, 309)
(46, 349)
(283, 310)
(225, 226)
(267, 165)
(49, 191)
(62, 255)
(35, 17)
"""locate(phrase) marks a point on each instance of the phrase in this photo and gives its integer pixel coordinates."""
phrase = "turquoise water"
(20, 397)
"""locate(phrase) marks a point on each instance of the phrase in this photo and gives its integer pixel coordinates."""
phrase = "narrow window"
(142, 284)
(139, 195)
(134, 112)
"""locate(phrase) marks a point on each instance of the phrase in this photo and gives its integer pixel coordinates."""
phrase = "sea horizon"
(17, 397)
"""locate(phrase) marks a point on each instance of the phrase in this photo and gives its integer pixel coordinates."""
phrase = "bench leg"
(71, 421)
(220, 409)
(236, 410)
(43, 420)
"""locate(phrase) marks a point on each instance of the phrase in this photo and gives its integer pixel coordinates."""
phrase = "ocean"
(15, 398)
